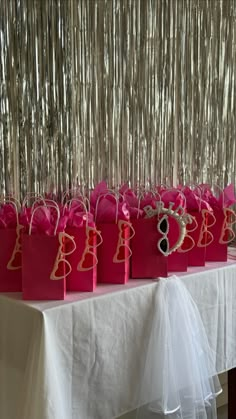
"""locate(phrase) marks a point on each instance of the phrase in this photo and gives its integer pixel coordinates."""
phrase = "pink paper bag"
(217, 251)
(114, 252)
(147, 261)
(83, 260)
(10, 260)
(177, 261)
(197, 256)
(39, 256)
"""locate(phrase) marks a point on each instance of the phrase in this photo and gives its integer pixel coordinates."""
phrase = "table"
(54, 356)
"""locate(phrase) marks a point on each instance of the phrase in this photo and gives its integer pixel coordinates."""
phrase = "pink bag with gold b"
(153, 244)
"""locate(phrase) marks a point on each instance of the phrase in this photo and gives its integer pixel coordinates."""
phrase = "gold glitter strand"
(123, 90)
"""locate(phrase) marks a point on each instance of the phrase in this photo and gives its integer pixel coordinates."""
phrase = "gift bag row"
(49, 246)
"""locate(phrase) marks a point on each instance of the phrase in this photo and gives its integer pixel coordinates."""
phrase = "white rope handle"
(190, 185)
(51, 201)
(165, 185)
(9, 201)
(141, 196)
(87, 202)
(75, 191)
(222, 191)
(12, 199)
(69, 203)
(212, 191)
(44, 202)
(32, 195)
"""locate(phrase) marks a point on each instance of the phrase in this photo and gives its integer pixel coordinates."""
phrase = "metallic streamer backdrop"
(124, 90)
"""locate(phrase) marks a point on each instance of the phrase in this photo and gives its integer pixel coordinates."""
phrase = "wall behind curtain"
(122, 90)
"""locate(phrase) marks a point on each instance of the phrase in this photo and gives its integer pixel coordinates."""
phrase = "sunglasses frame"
(181, 250)
(122, 241)
(88, 251)
(227, 226)
(60, 256)
(204, 228)
(17, 249)
(164, 235)
(178, 214)
(187, 236)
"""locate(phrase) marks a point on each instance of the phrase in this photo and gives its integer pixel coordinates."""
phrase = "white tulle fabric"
(179, 379)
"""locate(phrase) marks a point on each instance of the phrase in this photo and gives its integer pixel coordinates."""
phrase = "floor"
(223, 412)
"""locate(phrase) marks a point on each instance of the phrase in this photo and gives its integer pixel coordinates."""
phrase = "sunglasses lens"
(163, 245)
(124, 229)
(230, 217)
(163, 226)
(187, 244)
(92, 237)
(206, 238)
(89, 260)
(16, 262)
(228, 235)
(68, 245)
(60, 272)
(123, 253)
(210, 219)
(192, 226)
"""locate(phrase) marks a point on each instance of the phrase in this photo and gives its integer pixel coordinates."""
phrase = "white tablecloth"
(54, 356)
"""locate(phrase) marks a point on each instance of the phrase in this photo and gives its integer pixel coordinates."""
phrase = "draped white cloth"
(84, 358)
(179, 372)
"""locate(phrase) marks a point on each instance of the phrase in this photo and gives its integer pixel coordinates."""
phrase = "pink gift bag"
(147, 261)
(116, 231)
(202, 212)
(10, 255)
(114, 252)
(44, 264)
(10, 260)
(177, 261)
(222, 234)
(83, 261)
(83, 277)
(197, 255)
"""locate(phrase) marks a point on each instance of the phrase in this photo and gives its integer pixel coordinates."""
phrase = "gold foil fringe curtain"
(123, 90)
